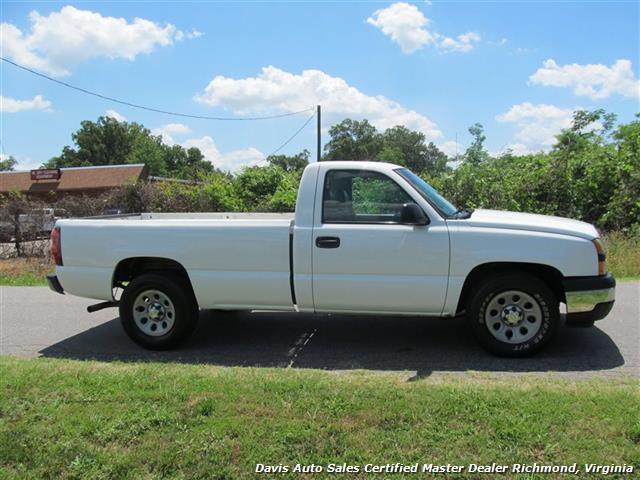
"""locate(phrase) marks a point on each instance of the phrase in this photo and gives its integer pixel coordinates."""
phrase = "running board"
(100, 306)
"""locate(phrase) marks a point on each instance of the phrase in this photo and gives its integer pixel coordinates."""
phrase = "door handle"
(327, 242)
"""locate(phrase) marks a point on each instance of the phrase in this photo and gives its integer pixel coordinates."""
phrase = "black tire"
(183, 311)
(530, 328)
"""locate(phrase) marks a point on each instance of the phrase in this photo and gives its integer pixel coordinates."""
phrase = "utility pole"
(319, 119)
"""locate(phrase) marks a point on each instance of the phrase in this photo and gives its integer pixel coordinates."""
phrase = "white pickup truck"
(366, 238)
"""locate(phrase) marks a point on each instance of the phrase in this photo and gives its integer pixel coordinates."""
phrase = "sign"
(46, 174)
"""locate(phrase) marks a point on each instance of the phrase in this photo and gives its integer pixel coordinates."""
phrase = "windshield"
(427, 192)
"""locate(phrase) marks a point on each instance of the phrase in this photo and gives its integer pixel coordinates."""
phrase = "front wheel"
(513, 314)
(158, 312)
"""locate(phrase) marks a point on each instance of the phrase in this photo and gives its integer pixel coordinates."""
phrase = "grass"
(623, 255)
(25, 271)
(72, 419)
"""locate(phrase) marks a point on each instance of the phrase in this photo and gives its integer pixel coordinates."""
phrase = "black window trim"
(443, 215)
(344, 222)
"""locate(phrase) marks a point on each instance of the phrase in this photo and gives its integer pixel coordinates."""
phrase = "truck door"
(364, 258)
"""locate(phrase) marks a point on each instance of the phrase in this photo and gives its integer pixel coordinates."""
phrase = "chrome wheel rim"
(513, 316)
(153, 313)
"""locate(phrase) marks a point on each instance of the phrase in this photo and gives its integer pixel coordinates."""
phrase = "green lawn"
(26, 272)
(23, 280)
(623, 255)
(72, 419)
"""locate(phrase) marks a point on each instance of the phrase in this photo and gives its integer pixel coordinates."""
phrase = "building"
(52, 184)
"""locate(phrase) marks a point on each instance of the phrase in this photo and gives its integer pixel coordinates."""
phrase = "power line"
(294, 135)
(152, 109)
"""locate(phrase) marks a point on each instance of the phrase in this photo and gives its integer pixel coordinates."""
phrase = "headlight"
(602, 256)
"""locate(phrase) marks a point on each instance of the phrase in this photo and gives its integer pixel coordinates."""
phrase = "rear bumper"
(54, 283)
(589, 298)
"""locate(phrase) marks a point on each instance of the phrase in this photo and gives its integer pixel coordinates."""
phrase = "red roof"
(74, 179)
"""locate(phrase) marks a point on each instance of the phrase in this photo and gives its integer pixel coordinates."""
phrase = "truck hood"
(531, 222)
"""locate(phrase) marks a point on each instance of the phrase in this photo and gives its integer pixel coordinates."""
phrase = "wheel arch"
(551, 276)
(130, 268)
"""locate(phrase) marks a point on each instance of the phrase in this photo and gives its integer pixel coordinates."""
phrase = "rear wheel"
(513, 314)
(158, 312)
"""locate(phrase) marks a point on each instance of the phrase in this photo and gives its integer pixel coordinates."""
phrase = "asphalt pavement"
(35, 321)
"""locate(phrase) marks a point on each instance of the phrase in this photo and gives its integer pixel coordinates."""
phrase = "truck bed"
(228, 259)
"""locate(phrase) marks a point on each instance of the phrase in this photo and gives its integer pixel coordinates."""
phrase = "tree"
(391, 154)
(189, 164)
(436, 160)
(623, 209)
(293, 163)
(412, 146)
(255, 186)
(476, 152)
(7, 163)
(577, 158)
(110, 142)
(353, 140)
(14, 205)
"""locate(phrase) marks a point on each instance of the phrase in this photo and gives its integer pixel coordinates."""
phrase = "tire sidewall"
(525, 283)
(183, 303)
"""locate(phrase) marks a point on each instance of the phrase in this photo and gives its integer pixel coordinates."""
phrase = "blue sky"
(438, 67)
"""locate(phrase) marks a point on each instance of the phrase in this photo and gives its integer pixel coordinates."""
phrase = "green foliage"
(623, 206)
(376, 196)
(110, 142)
(390, 154)
(411, 145)
(255, 186)
(8, 164)
(284, 198)
(359, 140)
(353, 140)
(584, 176)
(476, 152)
(294, 163)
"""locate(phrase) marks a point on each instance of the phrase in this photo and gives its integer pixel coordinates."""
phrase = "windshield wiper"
(462, 213)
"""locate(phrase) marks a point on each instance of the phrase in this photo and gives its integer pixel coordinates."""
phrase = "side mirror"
(412, 214)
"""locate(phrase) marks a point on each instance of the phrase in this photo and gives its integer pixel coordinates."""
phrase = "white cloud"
(180, 35)
(194, 34)
(168, 131)
(26, 163)
(409, 28)
(537, 125)
(404, 24)
(462, 43)
(236, 159)
(500, 43)
(595, 81)
(518, 149)
(11, 105)
(115, 115)
(61, 40)
(277, 90)
(450, 148)
(231, 161)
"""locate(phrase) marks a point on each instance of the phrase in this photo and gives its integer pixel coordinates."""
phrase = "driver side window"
(354, 196)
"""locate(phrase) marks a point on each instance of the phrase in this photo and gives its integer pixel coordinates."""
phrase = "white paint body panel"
(231, 263)
(380, 268)
(241, 261)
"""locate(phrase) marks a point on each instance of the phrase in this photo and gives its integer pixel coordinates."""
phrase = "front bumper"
(54, 283)
(589, 298)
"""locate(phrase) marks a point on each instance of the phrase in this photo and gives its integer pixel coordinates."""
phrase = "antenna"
(319, 114)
